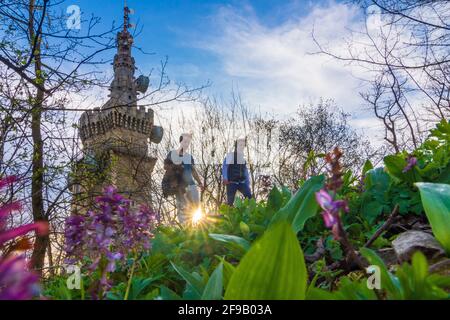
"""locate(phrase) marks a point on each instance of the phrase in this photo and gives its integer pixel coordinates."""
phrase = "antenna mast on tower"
(126, 16)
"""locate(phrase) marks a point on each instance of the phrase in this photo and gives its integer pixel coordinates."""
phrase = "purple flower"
(329, 219)
(16, 282)
(6, 209)
(324, 199)
(326, 202)
(112, 258)
(7, 181)
(40, 227)
(107, 235)
(331, 209)
(111, 196)
(411, 162)
(74, 234)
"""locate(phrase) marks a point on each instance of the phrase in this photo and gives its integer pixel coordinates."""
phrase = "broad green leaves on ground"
(197, 289)
(302, 205)
(348, 290)
(252, 250)
(410, 281)
(231, 240)
(214, 287)
(436, 202)
(273, 268)
(138, 286)
(388, 282)
(194, 283)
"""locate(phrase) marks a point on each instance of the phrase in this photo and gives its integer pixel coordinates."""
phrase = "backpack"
(236, 171)
(172, 180)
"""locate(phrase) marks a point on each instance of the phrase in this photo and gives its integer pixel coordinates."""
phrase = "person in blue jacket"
(235, 173)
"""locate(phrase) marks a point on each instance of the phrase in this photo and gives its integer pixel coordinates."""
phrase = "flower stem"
(127, 292)
(82, 288)
(348, 247)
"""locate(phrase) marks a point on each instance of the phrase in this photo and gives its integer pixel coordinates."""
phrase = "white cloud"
(273, 67)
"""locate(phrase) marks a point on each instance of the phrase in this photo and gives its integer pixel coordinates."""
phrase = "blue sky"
(167, 22)
(171, 27)
(260, 47)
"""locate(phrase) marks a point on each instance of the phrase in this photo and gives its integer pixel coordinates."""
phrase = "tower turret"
(123, 87)
(121, 131)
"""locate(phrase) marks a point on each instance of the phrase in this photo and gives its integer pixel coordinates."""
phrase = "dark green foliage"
(253, 250)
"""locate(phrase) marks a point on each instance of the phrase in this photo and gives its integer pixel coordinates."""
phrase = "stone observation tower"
(117, 136)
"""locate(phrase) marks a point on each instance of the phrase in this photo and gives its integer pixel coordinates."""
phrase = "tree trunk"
(51, 266)
(37, 202)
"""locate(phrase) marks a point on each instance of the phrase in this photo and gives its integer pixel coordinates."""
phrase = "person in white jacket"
(187, 196)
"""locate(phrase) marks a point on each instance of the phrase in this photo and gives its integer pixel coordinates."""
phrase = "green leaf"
(231, 239)
(377, 179)
(354, 290)
(138, 285)
(190, 293)
(167, 294)
(320, 294)
(192, 280)
(395, 165)
(367, 166)
(214, 287)
(436, 202)
(286, 193)
(256, 228)
(388, 281)
(302, 205)
(372, 210)
(420, 267)
(275, 199)
(228, 270)
(273, 268)
(152, 294)
(245, 229)
(227, 273)
(444, 177)
(417, 283)
(334, 248)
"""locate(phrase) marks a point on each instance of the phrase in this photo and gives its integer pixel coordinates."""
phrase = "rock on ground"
(407, 243)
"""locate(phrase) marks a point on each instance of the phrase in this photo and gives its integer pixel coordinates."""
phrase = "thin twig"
(384, 227)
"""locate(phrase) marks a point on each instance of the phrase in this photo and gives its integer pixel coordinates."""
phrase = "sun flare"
(197, 217)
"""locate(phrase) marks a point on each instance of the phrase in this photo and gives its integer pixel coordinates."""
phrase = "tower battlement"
(97, 121)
